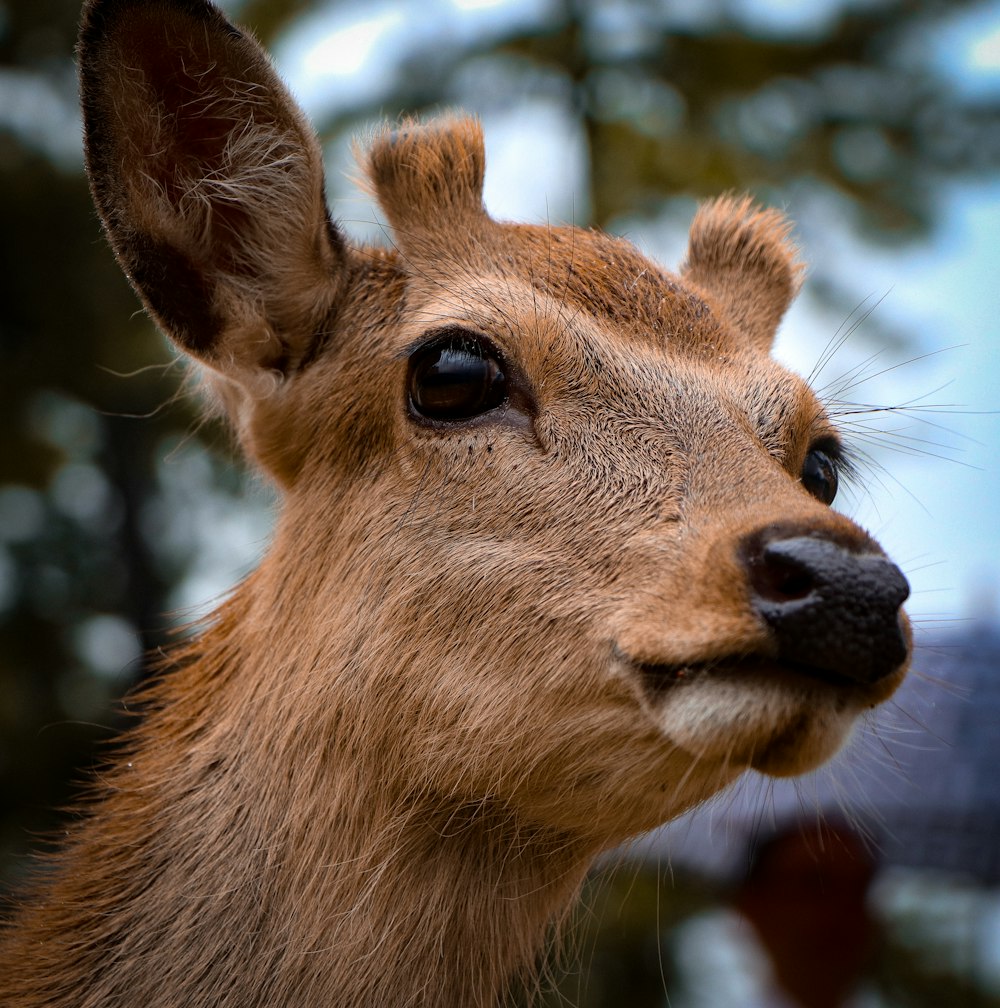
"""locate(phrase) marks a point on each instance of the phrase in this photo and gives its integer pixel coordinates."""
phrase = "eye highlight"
(820, 471)
(456, 376)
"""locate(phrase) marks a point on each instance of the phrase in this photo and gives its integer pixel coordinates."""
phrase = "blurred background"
(876, 125)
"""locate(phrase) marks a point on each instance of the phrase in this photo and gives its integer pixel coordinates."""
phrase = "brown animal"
(555, 559)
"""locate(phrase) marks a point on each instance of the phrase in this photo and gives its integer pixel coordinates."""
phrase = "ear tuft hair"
(428, 178)
(744, 257)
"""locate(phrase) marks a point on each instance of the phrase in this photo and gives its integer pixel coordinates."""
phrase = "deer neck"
(235, 868)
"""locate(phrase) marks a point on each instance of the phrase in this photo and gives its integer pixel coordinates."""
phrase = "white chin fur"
(776, 729)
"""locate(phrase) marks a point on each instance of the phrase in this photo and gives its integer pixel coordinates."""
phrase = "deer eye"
(456, 376)
(819, 471)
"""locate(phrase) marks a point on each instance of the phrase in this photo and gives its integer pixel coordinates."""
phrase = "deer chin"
(755, 712)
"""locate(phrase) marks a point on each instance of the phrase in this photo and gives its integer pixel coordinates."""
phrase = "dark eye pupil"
(455, 378)
(819, 475)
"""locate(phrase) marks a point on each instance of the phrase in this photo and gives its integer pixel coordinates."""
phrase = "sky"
(936, 512)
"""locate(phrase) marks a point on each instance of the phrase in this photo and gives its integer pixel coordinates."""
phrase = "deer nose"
(829, 608)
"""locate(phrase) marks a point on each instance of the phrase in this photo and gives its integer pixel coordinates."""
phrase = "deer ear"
(428, 178)
(745, 259)
(209, 183)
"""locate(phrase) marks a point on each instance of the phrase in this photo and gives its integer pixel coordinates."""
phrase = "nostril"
(779, 579)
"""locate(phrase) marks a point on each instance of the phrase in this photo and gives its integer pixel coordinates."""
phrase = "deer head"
(568, 521)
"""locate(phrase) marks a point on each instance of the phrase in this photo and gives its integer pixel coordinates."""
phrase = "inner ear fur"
(744, 258)
(209, 182)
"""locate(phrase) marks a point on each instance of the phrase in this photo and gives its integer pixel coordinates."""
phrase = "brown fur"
(381, 772)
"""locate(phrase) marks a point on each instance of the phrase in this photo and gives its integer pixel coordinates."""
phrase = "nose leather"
(829, 608)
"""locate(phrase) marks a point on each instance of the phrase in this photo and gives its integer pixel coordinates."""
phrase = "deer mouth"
(760, 711)
(660, 678)
(657, 679)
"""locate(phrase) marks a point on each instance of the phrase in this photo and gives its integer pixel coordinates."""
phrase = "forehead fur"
(609, 279)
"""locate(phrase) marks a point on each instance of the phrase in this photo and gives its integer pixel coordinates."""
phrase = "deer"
(555, 559)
